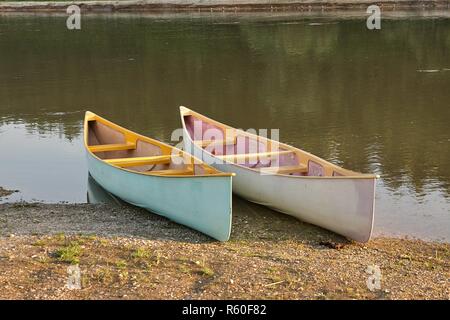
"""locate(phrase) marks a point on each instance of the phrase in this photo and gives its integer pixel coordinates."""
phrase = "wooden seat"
(139, 161)
(205, 143)
(172, 172)
(300, 168)
(112, 147)
(243, 156)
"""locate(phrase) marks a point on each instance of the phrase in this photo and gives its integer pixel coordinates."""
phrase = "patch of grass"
(184, 269)
(82, 239)
(121, 264)
(273, 274)
(206, 271)
(123, 276)
(140, 253)
(70, 253)
(85, 281)
(90, 237)
(405, 257)
(40, 243)
(272, 269)
(429, 265)
(60, 236)
(104, 242)
(43, 259)
(275, 279)
(158, 258)
(103, 275)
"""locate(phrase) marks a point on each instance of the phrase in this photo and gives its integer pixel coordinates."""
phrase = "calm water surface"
(369, 101)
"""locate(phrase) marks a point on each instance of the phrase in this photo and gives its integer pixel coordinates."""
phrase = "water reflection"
(348, 95)
(45, 166)
(97, 195)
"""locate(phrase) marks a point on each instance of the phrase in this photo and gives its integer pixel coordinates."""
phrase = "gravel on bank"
(128, 253)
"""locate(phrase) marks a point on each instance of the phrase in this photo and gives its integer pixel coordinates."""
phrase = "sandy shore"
(217, 5)
(128, 253)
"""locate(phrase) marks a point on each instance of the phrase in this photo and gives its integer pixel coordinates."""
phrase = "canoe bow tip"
(88, 115)
(184, 110)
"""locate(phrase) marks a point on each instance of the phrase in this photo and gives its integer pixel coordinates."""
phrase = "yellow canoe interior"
(130, 151)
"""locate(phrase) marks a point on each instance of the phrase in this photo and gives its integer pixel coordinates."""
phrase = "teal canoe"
(158, 177)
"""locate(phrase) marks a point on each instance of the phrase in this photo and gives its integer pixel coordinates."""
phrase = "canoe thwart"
(221, 142)
(112, 147)
(243, 156)
(172, 172)
(300, 168)
(139, 161)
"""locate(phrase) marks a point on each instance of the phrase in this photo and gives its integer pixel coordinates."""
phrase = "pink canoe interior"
(315, 169)
(200, 130)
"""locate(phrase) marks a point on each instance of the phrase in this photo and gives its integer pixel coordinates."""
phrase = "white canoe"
(158, 177)
(285, 178)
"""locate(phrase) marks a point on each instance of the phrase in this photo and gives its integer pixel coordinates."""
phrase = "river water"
(370, 101)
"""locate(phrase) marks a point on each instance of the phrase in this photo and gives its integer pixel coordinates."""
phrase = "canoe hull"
(342, 205)
(202, 203)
